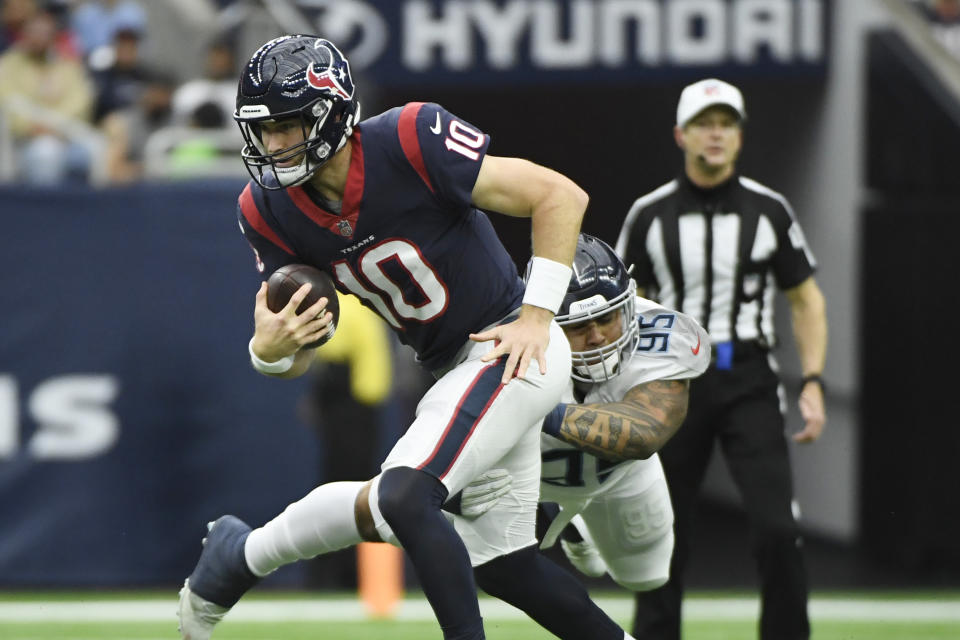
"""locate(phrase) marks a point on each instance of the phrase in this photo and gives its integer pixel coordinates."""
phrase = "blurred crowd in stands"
(81, 102)
(114, 91)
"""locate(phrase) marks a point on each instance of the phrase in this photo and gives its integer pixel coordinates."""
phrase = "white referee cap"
(707, 93)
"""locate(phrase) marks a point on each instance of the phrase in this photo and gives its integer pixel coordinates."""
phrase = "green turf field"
(151, 616)
(428, 631)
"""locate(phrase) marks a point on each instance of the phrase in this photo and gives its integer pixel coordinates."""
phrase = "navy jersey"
(408, 241)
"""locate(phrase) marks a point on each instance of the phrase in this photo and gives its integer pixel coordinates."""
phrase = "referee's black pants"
(740, 409)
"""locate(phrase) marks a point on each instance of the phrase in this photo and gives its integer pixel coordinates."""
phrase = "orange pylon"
(380, 577)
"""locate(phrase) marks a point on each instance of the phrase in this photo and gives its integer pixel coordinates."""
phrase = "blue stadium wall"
(129, 415)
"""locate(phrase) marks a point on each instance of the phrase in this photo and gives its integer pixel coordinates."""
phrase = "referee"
(716, 245)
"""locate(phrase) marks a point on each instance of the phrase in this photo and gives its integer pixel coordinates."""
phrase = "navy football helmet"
(295, 77)
(600, 285)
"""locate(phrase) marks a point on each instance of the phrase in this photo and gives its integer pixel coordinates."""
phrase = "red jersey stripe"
(252, 214)
(407, 130)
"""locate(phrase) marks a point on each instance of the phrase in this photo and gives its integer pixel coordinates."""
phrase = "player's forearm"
(556, 219)
(632, 429)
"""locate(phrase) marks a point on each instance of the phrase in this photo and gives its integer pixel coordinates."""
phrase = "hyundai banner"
(405, 42)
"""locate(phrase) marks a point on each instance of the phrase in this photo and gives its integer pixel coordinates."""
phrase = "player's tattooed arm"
(634, 428)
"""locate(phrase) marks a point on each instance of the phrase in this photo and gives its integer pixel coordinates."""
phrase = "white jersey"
(672, 346)
(626, 506)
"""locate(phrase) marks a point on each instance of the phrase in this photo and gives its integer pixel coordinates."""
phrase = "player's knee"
(651, 573)
(407, 494)
(653, 582)
(648, 567)
(364, 517)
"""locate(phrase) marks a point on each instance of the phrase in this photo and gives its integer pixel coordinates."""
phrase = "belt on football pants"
(725, 354)
(469, 344)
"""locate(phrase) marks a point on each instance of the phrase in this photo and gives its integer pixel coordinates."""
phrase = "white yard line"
(156, 610)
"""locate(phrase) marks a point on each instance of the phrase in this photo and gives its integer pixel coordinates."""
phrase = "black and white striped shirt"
(717, 254)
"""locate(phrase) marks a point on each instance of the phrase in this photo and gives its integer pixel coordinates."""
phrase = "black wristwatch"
(813, 377)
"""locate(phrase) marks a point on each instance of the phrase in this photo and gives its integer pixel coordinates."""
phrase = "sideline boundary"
(306, 610)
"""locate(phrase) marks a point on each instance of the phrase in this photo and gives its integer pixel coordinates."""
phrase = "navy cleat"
(218, 581)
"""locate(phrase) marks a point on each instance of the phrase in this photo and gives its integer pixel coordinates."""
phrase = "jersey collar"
(344, 224)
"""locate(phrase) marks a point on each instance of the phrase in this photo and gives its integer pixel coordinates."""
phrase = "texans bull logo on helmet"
(327, 80)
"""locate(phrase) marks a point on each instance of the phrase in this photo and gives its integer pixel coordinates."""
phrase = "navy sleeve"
(269, 249)
(445, 150)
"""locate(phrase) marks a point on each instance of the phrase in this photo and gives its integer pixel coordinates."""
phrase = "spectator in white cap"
(717, 246)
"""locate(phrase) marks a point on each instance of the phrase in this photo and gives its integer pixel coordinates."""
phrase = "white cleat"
(197, 616)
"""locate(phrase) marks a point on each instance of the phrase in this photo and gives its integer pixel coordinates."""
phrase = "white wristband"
(547, 284)
(280, 366)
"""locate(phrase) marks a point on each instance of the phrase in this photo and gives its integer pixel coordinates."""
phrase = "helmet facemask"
(314, 151)
(606, 362)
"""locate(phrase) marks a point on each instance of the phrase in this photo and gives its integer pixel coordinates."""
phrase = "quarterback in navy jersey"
(406, 211)
(390, 208)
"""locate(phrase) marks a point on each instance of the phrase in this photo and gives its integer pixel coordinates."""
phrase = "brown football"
(285, 281)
